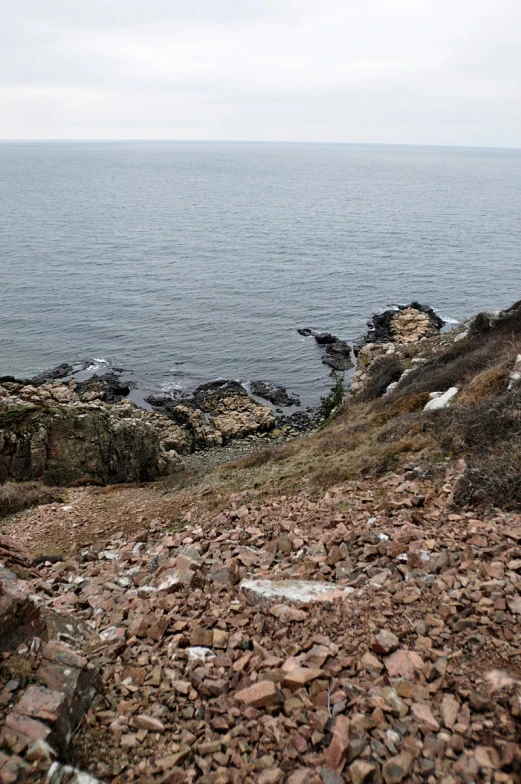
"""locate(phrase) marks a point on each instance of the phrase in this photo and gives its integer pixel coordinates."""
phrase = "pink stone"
(260, 695)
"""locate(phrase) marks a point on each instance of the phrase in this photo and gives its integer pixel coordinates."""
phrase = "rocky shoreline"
(67, 431)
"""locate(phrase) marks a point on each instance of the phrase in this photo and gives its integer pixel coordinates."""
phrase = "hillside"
(342, 606)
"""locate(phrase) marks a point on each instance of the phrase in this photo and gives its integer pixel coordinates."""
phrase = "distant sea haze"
(184, 262)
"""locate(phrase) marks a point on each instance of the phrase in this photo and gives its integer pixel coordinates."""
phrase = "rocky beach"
(216, 591)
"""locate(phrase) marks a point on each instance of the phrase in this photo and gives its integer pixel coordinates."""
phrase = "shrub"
(488, 434)
(334, 398)
(484, 428)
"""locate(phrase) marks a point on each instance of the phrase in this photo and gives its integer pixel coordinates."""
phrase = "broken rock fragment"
(385, 642)
(260, 695)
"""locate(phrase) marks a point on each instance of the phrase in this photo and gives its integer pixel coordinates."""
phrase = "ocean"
(183, 262)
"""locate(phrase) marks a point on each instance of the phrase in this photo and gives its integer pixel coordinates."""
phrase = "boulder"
(295, 591)
(338, 355)
(276, 394)
(440, 400)
(107, 387)
(12, 554)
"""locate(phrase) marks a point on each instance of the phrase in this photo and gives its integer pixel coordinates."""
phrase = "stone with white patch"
(296, 591)
(441, 400)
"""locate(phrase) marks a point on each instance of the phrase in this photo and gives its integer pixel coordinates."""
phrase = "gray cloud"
(407, 71)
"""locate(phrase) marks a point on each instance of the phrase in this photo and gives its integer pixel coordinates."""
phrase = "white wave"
(98, 363)
(448, 319)
(170, 388)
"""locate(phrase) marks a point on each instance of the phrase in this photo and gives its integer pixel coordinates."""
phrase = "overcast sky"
(399, 71)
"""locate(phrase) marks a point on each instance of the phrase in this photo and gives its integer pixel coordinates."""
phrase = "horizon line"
(252, 141)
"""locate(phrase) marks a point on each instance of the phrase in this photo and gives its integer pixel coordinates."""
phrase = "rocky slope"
(217, 666)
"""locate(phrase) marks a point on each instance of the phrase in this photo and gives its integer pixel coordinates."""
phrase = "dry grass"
(386, 410)
(491, 381)
(269, 454)
(384, 371)
(15, 496)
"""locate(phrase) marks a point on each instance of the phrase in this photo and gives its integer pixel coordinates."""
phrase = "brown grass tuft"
(401, 405)
(491, 381)
(15, 496)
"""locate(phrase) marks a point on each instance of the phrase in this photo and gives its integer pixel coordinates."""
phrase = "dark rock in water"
(60, 371)
(107, 387)
(325, 338)
(13, 380)
(337, 352)
(338, 355)
(322, 338)
(275, 393)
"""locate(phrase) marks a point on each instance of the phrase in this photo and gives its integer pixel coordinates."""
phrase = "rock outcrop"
(108, 387)
(46, 433)
(75, 433)
(395, 332)
(214, 414)
(401, 324)
(46, 684)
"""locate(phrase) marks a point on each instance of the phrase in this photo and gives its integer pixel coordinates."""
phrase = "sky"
(374, 71)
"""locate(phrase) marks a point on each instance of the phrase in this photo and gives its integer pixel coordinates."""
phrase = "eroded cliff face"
(64, 444)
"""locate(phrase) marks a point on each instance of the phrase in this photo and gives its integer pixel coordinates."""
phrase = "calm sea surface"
(184, 262)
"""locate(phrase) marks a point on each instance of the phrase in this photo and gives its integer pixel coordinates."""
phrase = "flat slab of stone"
(296, 591)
